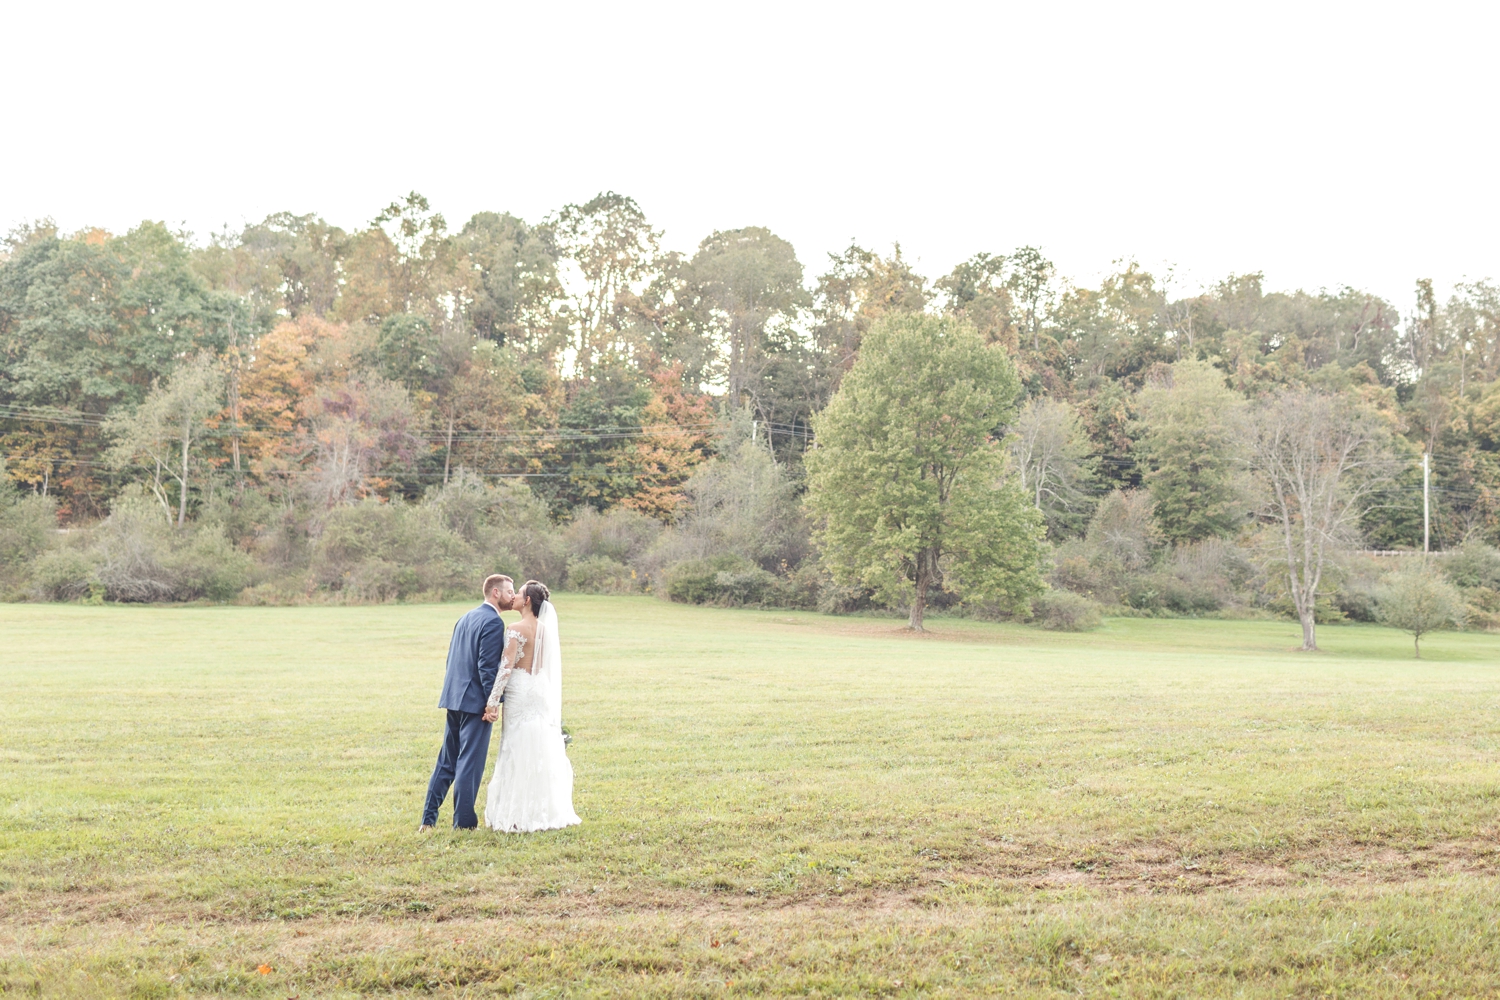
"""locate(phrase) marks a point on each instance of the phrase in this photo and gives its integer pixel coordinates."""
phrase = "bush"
(621, 535)
(801, 588)
(1484, 608)
(727, 581)
(61, 575)
(838, 599)
(129, 550)
(1418, 601)
(1358, 601)
(505, 526)
(742, 504)
(1213, 566)
(1064, 611)
(1165, 592)
(205, 565)
(1123, 530)
(373, 551)
(603, 575)
(27, 528)
(1326, 610)
(137, 556)
(1474, 565)
(1073, 570)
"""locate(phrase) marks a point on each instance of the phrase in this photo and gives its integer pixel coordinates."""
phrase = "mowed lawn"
(222, 801)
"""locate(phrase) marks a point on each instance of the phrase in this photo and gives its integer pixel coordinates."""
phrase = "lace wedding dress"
(533, 784)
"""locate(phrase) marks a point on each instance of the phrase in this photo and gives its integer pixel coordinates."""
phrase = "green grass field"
(773, 802)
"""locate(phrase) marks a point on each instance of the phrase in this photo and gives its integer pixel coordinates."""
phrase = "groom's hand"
(491, 713)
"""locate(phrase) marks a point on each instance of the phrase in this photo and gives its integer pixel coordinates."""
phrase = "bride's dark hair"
(535, 592)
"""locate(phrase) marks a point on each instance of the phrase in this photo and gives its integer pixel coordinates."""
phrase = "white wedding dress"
(533, 784)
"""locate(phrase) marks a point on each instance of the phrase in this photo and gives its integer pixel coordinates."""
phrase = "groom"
(473, 661)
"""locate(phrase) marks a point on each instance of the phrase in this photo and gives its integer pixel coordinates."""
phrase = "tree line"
(269, 380)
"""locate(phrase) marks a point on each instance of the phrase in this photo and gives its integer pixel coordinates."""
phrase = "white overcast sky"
(1321, 143)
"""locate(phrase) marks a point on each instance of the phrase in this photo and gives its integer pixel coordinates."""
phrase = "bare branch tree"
(1317, 460)
(1050, 455)
(168, 425)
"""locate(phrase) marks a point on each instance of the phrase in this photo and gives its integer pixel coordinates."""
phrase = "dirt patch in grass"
(1154, 868)
(869, 944)
(1002, 869)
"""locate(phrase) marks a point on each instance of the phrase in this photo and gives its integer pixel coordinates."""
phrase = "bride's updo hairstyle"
(535, 592)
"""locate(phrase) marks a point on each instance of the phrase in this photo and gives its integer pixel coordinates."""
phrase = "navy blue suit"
(473, 661)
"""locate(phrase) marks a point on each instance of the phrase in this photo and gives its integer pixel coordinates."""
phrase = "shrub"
(129, 550)
(838, 599)
(741, 504)
(1065, 611)
(27, 524)
(1213, 566)
(1123, 529)
(621, 535)
(205, 565)
(279, 592)
(1073, 570)
(1358, 599)
(1474, 565)
(1165, 592)
(138, 556)
(603, 575)
(1326, 611)
(61, 575)
(1484, 608)
(801, 588)
(728, 581)
(1418, 601)
(505, 526)
(373, 551)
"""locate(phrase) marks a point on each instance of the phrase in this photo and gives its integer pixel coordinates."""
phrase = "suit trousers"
(460, 763)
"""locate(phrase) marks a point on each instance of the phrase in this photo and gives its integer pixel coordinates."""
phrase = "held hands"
(491, 713)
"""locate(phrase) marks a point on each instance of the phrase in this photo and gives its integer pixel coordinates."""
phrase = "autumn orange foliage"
(676, 425)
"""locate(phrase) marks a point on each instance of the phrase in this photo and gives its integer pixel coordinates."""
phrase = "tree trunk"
(1309, 632)
(1416, 641)
(448, 448)
(182, 493)
(927, 575)
(234, 396)
(918, 604)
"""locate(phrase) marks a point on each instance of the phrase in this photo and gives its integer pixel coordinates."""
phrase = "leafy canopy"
(908, 474)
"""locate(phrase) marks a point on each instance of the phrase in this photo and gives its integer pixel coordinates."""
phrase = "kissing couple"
(518, 670)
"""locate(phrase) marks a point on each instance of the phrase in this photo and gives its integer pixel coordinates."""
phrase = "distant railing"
(1397, 552)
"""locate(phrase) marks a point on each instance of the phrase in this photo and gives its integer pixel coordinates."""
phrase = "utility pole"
(1426, 506)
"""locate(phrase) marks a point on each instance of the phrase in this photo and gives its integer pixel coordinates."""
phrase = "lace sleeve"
(513, 650)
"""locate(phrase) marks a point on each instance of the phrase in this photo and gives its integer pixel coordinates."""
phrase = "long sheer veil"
(548, 666)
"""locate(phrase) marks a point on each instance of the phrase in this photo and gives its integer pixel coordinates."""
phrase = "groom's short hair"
(492, 581)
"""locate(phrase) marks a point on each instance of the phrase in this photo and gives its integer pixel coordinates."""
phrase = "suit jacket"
(473, 660)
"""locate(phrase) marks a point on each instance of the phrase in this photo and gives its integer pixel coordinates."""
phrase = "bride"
(533, 784)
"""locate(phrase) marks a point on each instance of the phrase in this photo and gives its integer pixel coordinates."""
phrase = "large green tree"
(1191, 448)
(908, 476)
(741, 283)
(610, 252)
(512, 281)
(87, 323)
